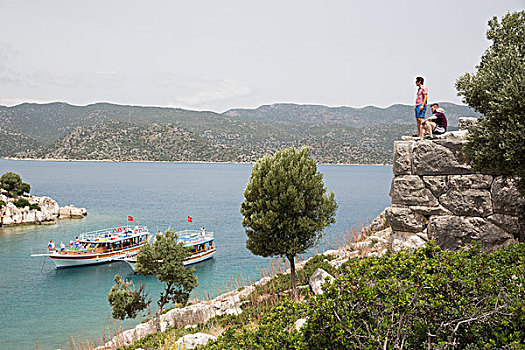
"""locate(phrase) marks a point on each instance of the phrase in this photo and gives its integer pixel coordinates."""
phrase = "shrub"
(427, 299)
(21, 202)
(34, 206)
(275, 330)
(2, 204)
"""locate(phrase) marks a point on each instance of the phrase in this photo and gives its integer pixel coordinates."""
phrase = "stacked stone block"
(436, 195)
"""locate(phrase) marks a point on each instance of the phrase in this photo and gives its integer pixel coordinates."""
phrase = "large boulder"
(432, 158)
(454, 232)
(317, 280)
(402, 157)
(437, 184)
(465, 123)
(191, 341)
(407, 240)
(506, 197)
(410, 190)
(476, 181)
(471, 202)
(405, 219)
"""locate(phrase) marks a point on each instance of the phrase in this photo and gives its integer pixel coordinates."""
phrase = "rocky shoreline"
(48, 212)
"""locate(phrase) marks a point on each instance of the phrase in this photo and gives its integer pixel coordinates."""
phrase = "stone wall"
(436, 195)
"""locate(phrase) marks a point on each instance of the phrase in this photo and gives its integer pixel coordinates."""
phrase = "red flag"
(190, 219)
(130, 218)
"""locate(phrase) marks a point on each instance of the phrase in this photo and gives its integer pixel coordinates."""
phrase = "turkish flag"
(130, 218)
(190, 219)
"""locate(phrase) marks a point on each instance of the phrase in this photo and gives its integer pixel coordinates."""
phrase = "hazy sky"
(217, 55)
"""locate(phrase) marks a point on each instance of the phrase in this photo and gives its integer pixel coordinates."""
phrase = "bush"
(34, 206)
(2, 204)
(21, 202)
(426, 299)
(274, 330)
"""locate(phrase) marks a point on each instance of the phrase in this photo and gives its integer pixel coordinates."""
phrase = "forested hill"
(125, 133)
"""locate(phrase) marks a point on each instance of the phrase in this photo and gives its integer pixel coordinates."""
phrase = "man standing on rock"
(421, 105)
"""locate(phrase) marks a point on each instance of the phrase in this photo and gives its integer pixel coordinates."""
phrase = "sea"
(45, 308)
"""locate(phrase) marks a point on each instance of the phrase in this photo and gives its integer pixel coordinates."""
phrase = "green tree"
(12, 183)
(286, 206)
(497, 90)
(164, 259)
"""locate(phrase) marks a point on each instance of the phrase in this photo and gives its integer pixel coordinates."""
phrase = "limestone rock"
(506, 197)
(191, 341)
(410, 190)
(402, 157)
(318, 279)
(429, 211)
(300, 323)
(467, 123)
(406, 240)
(432, 158)
(471, 202)
(454, 140)
(476, 181)
(507, 222)
(378, 224)
(454, 232)
(404, 219)
(436, 184)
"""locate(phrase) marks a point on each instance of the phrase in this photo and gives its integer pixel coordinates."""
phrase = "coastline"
(163, 161)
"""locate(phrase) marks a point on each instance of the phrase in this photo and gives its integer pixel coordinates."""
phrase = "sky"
(217, 55)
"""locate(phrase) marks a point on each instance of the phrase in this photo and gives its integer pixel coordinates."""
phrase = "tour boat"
(99, 247)
(201, 243)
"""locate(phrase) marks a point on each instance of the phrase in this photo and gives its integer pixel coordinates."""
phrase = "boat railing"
(41, 251)
(195, 234)
(110, 231)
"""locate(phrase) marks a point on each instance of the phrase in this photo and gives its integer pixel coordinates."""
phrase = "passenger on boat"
(203, 231)
(51, 246)
(77, 242)
(62, 247)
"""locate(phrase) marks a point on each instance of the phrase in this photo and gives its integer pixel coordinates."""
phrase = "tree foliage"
(497, 90)
(12, 183)
(125, 300)
(163, 259)
(286, 206)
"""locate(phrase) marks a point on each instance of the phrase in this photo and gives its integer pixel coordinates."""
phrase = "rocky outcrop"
(46, 211)
(436, 195)
(318, 278)
(191, 341)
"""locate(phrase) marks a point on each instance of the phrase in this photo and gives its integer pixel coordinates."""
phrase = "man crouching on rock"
(437, 123)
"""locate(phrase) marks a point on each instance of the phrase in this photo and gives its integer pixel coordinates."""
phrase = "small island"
(18, 207)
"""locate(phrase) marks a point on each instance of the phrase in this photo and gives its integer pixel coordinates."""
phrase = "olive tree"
(13, 184)
(496, 90)
(163, 259)
(286, 206)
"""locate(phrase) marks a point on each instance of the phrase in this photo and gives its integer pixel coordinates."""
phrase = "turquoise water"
(44, 306)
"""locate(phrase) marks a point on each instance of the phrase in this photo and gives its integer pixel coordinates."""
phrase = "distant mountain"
(125, 133)
(355, 117)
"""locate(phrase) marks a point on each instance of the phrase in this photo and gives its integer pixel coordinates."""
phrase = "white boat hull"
(62, 262)
(194, 259)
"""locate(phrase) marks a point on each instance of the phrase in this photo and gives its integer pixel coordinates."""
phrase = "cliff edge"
(436, 195)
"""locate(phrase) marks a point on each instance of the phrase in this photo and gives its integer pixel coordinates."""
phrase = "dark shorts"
(420, 114)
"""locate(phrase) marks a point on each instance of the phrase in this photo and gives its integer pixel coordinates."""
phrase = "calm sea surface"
(44, 306)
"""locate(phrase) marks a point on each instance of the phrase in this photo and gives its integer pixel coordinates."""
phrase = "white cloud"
(200, 93)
